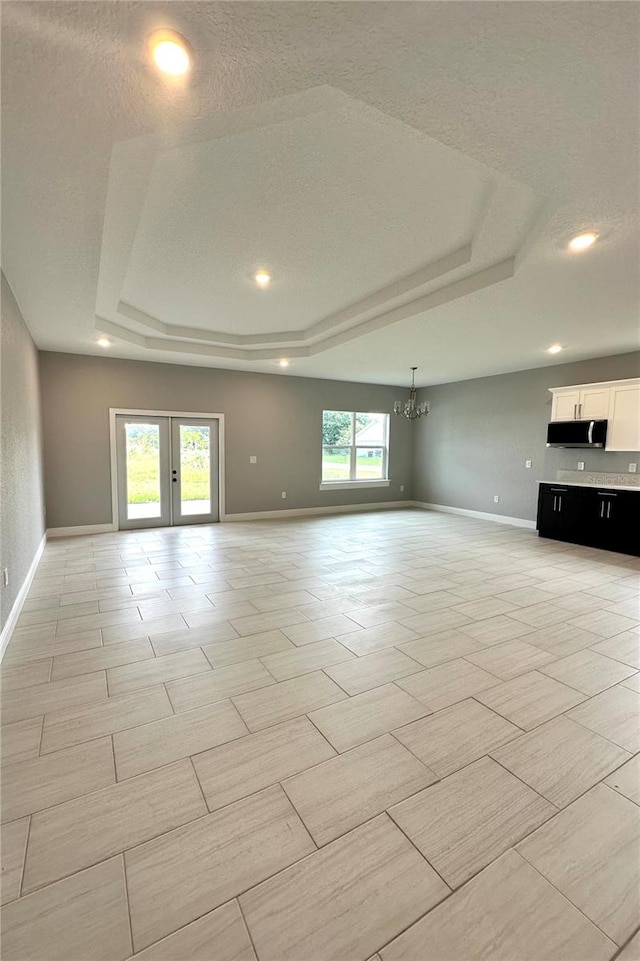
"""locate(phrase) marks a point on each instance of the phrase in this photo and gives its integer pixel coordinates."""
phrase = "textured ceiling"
(409, 172)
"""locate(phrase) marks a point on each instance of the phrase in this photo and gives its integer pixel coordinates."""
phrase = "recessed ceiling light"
(103, 342)
(170, 52)
(262, 278)
(582, 241)
(284, 363)
(554, 349)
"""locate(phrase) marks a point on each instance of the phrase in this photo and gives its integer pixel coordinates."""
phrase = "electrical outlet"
(401, 488)
(5, 576)
(496, 498)
(580, 465)
(527, 463)
(633, 468)
(284, 495)
(253, 459)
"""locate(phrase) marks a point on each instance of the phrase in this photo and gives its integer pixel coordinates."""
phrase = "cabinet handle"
(601, 508)
(554, 502)
(606, 494)
(579, 411)
(560, 503)
(609, 510)
(575, 407)
(561, 490)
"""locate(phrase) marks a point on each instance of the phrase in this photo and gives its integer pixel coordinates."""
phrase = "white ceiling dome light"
(262, 278)
(583, 241)
(170, 52)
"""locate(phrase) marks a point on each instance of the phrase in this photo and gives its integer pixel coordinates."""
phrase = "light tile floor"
(391, 735)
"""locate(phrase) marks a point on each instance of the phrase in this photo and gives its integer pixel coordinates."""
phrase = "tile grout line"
(189, 758)
(561, 893)
(246, 927)
(321, 733)
(615, 956)
(556, 808)
(126, 894)
(24, 860)
(39, 754)
(115, 763)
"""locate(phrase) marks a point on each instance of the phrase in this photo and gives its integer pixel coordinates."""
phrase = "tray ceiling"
(409, 175)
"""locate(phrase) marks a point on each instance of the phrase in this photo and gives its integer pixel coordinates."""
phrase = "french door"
(167, 470)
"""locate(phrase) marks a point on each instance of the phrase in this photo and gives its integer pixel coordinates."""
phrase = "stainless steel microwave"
(577, 433)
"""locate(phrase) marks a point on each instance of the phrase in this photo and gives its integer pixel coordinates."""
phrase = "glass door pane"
(195, 469)
(142, 456)
(142, 444)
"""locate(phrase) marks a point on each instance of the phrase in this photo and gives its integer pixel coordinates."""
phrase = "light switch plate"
(580, 465)
(496, 498)
(633, 468)
(253, 459)
(527, 463)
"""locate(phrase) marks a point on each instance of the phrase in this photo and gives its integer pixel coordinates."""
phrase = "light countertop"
(604, 487)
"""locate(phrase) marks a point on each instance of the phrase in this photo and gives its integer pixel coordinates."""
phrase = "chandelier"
(411, 409)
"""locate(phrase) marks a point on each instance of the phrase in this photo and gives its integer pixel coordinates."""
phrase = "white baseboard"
(480, 515)
(14, 613)
(305, 511)
(78, 531)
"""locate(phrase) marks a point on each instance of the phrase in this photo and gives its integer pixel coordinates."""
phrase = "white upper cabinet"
(617, 401)
(623, 432)
(594, 403)
(565, 405)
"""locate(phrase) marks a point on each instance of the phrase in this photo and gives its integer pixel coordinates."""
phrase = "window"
(354, 448)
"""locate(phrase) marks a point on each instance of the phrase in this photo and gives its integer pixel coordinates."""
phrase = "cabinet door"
(560, 513)
(565, 405)
(594, 403)
(623, 432)
(618, 521)
(570, 508)
(548, 517)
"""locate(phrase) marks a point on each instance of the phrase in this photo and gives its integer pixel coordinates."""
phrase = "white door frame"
(129, 412)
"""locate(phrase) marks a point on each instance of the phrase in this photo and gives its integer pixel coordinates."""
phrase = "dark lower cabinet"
(590, 516)
(559, 512)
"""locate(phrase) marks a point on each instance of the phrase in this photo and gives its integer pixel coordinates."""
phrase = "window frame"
(354, 482)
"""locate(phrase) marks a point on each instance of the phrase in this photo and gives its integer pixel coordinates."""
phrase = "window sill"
(352, 485)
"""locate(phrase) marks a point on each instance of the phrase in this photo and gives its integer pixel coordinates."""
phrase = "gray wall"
(479, 433)
(21, 493)
(276, 417)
